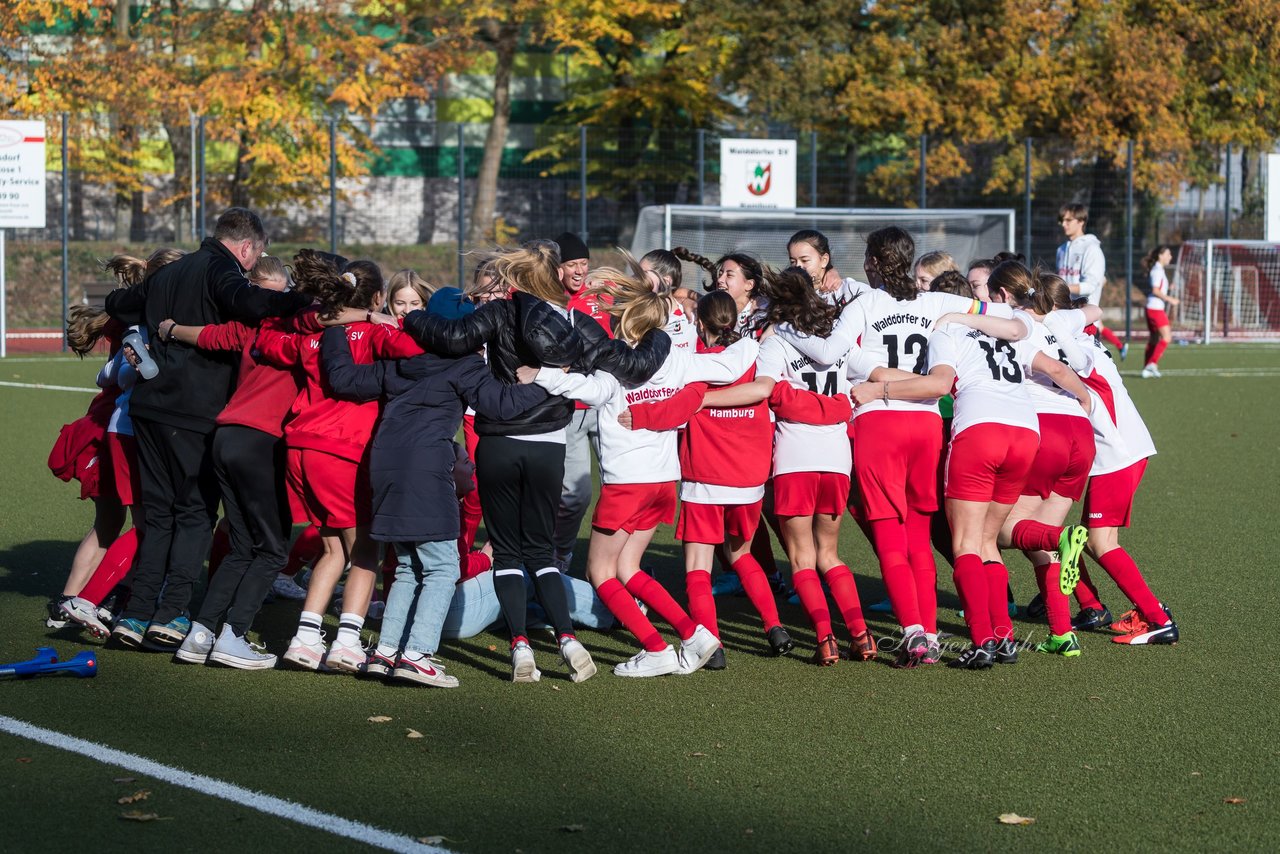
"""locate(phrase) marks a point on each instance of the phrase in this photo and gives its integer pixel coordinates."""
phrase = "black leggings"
(519, 483)
(250, 468)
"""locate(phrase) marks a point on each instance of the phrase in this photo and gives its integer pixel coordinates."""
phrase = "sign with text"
(22, 168)
(758, 173)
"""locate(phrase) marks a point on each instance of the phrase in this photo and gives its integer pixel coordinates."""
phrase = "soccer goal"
(715, 231)
(1230, 289)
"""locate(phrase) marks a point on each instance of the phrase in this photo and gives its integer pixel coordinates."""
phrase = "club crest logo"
(759, 177)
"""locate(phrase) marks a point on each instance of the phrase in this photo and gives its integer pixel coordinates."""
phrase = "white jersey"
(1047, 397)
(751, 318)
(989, 387)
(681, 328)
(1159, 287)
(845, 292)
(645, 456)
(806, 447)
(1122, 439)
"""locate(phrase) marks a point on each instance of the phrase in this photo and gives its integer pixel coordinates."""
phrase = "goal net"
(713, 231)
(1229, 289)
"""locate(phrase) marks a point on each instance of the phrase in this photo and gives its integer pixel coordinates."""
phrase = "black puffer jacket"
(525, 330)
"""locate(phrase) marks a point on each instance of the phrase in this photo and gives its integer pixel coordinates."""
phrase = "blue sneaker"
(728, 584)
(884, 606)
(129, 631)
(169, 635)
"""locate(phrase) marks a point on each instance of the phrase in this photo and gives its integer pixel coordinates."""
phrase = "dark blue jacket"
(412, 457)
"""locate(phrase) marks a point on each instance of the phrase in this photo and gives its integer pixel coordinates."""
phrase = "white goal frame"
(1209, 297)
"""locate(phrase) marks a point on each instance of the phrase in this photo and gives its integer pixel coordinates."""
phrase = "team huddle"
(962, 414)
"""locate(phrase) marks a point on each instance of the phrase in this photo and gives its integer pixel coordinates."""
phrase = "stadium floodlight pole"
(462, 204)
(1128, 243)
(333, 185)
(65, 271)
(1227, 206)
(702, 166)
(924, 170)
(582, 182)
(1026, 193)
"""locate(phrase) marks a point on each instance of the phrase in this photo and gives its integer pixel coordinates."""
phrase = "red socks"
(702, 605)
(623, 606)
(998, 599)
(1109, 337)
(809, 589)
(1031, 536)
(1122, 569)
(762, 547)
(890, 539)
(759, 591)
(650, 592)
(115, 565)
(970, 578)
(923, 568)
(845, 591)
(306, 549)
(1086, 593)
(1057, 607)
(1155, 350)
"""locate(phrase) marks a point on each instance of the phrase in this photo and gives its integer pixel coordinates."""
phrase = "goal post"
(968, 234)
(1229, 290)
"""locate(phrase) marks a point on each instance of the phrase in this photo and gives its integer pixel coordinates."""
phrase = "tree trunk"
(505, 38)
(851, 174)
(122, 134)
(180, 144)
(240, 179)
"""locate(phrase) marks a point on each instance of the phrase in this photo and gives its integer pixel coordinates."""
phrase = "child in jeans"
(411, 471)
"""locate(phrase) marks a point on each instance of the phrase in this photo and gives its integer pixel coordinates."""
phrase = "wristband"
(368, 316)
(169, 337)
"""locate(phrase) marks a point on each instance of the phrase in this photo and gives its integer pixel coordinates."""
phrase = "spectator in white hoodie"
(1082, 265)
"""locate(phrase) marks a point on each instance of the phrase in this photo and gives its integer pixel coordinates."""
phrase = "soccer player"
(1159, 332)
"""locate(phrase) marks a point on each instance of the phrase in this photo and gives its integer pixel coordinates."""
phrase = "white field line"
(44, 360)
(50, 387)
(268, 804)
(1173, 373)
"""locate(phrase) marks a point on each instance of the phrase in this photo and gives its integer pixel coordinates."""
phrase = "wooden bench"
(95, 293)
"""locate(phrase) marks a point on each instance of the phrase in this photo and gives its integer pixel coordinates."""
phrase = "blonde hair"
(639, 310)
(936, 263)
(128, 270)
(533, 269)
(269, 267)
(85, 327)
(410, 279)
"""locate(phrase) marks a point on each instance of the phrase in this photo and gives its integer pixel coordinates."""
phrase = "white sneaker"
(83, 613)
(308, 656)
(579, 660)
(697, 650)
(1155, 371)
(235, 651)
(645, 663)
(348, 658)
(424, 671)
(286, 588)
(1147, 373)
(196, 646)
(523, 667)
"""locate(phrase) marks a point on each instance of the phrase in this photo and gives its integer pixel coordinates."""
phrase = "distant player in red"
(1159, 332)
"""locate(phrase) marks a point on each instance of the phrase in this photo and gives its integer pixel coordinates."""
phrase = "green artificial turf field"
(1134, 748)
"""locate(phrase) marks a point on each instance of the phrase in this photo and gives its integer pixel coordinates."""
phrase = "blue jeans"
(420, 597)
(475, 606)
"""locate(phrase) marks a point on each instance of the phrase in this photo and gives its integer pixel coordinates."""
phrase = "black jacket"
(412, 457)
(204, 287)
(526, 331)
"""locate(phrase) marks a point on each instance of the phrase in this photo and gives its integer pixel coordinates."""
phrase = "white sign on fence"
(22, 174)
(1273, 199)
(758, 173)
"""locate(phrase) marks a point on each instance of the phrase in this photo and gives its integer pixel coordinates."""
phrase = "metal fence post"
(1026, 201)
(702, 166)
(1128, 244)
(462, 205)
(204, 207)
(333, 185)
(582, 182)
(192, 116)
(65, 266)
(924, 170)
(1227, 211)
(813, 168)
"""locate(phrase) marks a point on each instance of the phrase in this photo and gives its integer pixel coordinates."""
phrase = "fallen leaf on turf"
(140, 795)
(378, 719)
(139, 815)
(25, 760)
(492, 648)
(573, 828)
(1014, 818)
(555, 687)
(1095, 698)
(412, 733)
(1234, 801)
(1195, 774)
(123, 779)
(1088, 767)
(697, 754)
(748, 831)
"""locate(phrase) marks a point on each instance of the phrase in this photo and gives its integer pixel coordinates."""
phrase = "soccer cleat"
(1006, 651)
(1124, 351)
(884, 606)
(716, 662)
(423, 671)
(196, 646)
(523, 667)
(863, 646)
(1071, 545)
(1147, 374)
(1149, 633)
(54, 618)
(779, 641)
(645, 663)
(1067, 646)
(1155, 371)
(1035, 608)
(113, 604)
(286, 588)
(83, 613)
(581, 666)
(168, 635)
(827, 652)
(129, 632)
(977, 657)
(348, 658)
(728, 584)
(1128, 621)
(1092, 620)
(933, 654)
(378, 665)
(308, 656)
(231, 650)
(697, 650)
(912, 650)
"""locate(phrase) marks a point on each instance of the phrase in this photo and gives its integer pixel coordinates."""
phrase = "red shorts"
(330, 491)
(1156, 318)
(807, 493)
(709, 523)
(1108, 502)
(990, 462)
(895, 460)
(634, 507)
(1066, 454)
(123, 451)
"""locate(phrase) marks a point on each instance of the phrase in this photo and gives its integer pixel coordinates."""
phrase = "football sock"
(998, 598)
(809, 588)
(890, 539)
(1122, 569)
(970, 578)
(305, 550)
(845, 591)
(1057, 607)
(1109, 337)
(758, 589)
(1086, 593)
(649, 591)
(623, 606)
(1030, 536)
(113, 567)
(309, 627)
(702, 605)
(923, 568)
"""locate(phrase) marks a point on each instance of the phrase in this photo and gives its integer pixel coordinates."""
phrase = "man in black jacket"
(173, 416)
